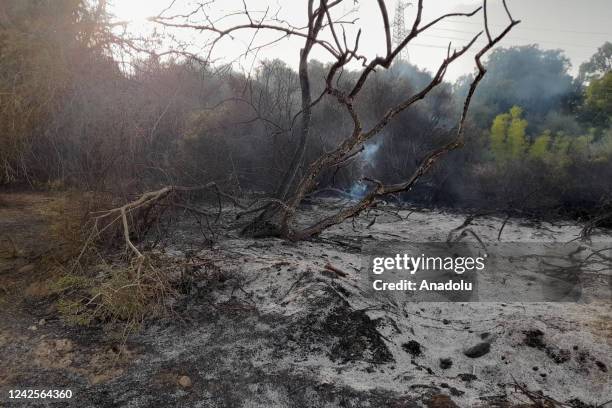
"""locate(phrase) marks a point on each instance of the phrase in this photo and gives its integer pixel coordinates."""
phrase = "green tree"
(535, 79)
(599, 64)
(508, 138)
(560, 150)
(598, 101)
(499, 130)
(540, 148)
(517, 139)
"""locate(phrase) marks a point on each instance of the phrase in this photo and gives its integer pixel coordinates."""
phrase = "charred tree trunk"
(268, 222)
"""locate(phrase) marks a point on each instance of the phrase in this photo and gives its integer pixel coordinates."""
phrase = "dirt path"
(24, 240)
(36, 348)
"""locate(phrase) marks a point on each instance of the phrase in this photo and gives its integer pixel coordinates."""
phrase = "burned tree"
(326, 31)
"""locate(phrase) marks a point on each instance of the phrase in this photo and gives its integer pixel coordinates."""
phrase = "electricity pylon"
(399, 28)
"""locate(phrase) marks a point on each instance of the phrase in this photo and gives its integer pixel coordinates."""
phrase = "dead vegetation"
(86, 277)
(123, 293)
(278, 216)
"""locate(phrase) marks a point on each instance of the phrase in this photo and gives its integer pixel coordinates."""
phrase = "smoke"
(359, 189)
(369, 152)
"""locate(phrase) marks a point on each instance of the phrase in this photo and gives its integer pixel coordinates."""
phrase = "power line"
(512, 38)
(438, 46)
(522, 27)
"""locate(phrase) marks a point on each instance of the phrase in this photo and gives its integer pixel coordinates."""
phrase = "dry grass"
(91, 278)
(116, 293)
(91, 275)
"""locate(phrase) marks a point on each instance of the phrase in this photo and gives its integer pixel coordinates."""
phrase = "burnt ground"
(274, 329)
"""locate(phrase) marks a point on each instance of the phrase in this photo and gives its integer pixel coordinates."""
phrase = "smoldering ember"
(192, 194)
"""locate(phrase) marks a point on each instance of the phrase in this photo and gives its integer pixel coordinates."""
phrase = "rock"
(413, 347)
(478, 350)
(185, 381)
(33, 328)
(42, 322)
(446, 363)
(467, 377)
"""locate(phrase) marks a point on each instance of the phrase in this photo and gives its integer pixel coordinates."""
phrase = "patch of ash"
(331, 327)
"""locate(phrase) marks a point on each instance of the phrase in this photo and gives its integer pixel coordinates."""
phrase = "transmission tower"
(399, 28)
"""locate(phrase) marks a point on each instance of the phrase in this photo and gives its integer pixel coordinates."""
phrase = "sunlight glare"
(136, 12)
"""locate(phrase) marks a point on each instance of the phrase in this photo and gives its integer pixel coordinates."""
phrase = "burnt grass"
(350, 335)
(233, 362)
(225, 375)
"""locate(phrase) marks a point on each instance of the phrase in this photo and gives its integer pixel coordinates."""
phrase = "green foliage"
(557, 151)
(508, 137)
(598, 100)
(601, 149)
(560, 151)
(599, 64)
(124, 294)
(499, 130)
(516, 133)
(537, 80)
(74, 312)
(539, 149)
(509, 143)
(69, 282)
(580, 147)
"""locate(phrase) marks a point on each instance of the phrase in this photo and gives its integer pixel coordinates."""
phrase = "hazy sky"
(576, 27)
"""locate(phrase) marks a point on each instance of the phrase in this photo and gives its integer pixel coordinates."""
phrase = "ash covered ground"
(265, 323)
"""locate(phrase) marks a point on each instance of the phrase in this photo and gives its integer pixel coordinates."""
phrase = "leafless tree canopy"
(327, 31)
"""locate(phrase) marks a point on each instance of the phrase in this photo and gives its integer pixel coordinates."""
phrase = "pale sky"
(576, 27)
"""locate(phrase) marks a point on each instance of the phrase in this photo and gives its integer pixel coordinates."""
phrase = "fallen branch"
(587, 230)
(468, 220)
(502, 227)
(540, 400)
(337, 271)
